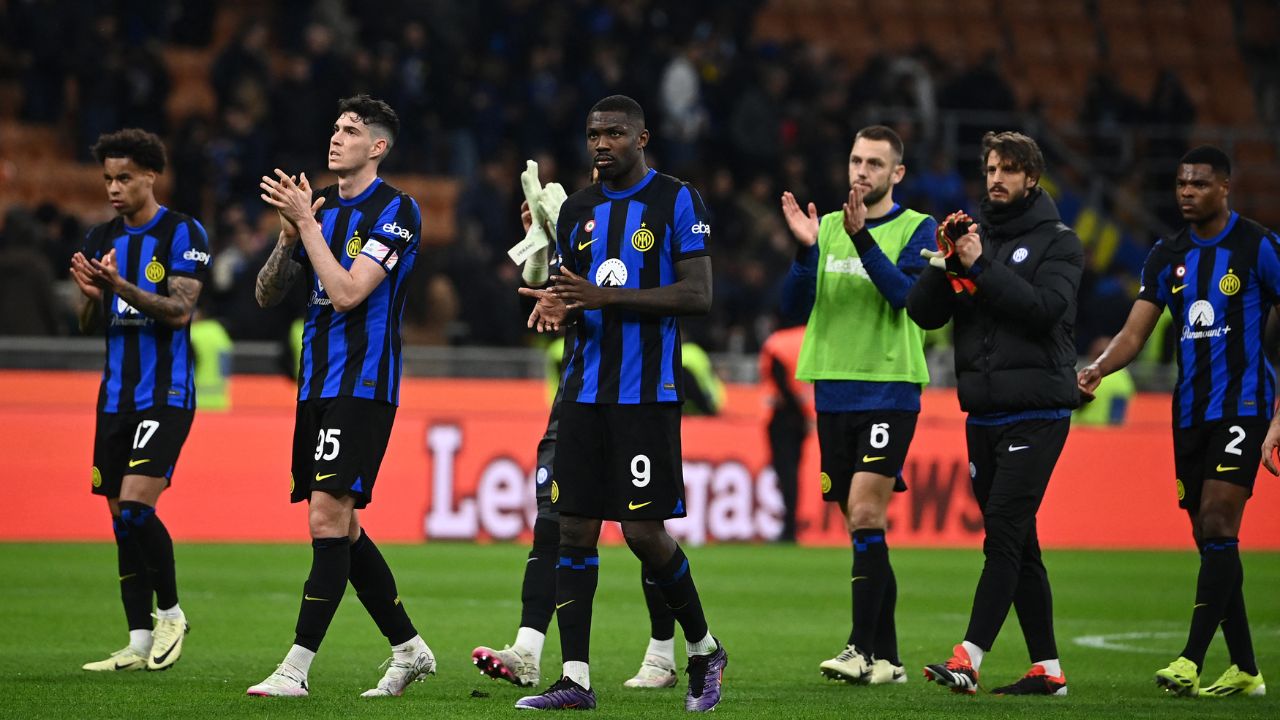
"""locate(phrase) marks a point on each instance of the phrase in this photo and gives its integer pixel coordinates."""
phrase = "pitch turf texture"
(779, 610)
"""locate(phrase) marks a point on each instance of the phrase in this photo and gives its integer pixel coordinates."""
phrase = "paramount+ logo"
(394, 228)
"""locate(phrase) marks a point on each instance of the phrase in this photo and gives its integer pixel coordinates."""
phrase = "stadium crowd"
(482, 88)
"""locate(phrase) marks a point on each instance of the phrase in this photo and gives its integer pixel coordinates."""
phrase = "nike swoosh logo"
(126, 665)
(560, 605)
(126, 577)
(136, 463)
(1199, 605)
(583, 245)
(1016, 448)
(160, 659)
(1226, 469)
(1177, 288)
(308, 597)
(634, 506)
(322, 478)
(868, 458)
(860, 577)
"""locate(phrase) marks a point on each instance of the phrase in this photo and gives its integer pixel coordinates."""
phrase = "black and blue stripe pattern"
(1219, 291)
(357, 353)
(148, 363)
(633, 239)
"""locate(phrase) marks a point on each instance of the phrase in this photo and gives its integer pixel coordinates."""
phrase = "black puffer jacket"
(1014, 338)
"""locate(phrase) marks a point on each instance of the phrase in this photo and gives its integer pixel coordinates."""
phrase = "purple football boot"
(705, 675)
(565, 694)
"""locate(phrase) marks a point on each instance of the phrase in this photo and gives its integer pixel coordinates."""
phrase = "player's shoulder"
(1174, 245)
(1250, 230)
(671, 188)
(582, 200)
(176, 219)
(109, 229)
(386, 193)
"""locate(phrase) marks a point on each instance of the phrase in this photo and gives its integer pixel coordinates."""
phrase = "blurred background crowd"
(745, 99)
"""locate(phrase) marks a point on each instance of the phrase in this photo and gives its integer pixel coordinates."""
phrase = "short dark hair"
(144, 148)
(621, 104)
(374, 113)
(885, 133)
(1208, 155)
(1017, 150)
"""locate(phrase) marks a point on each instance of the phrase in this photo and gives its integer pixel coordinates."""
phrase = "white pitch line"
(1109, 642)
(1117, 641)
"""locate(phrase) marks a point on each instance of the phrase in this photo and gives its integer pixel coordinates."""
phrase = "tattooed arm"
(278, 275)
(173, 309)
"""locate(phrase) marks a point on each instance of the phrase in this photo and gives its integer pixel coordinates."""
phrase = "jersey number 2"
(1233, 447)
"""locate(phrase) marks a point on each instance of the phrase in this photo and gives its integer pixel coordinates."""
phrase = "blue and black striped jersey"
(631, 238)
(357, 353)
(1219, 291)
(148, 363)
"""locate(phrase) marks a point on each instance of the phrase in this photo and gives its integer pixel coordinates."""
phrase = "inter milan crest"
(642, 239)
(354, 245)
(1229, 284)
(154, 271)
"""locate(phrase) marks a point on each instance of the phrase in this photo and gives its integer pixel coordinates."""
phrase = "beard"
(876, 194)
(1015, 197)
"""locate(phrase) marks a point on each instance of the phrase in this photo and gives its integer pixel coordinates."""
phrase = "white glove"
(535, 266)
(553, 196)
(937, 258)
(536, 240)
(532, 190)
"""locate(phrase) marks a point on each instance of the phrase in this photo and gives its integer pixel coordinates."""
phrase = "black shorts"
(1226, 450)
(619, 462)
(338, 444)
(542, 476)
(853, 442)
(145, 442)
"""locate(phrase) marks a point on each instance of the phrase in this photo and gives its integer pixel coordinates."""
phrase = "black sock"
(330, 570)
(887, 629)
(135, 579)
(870, 563)
(157, 548)
(1235, 630)
(675, 580)
(538, 592)
(376, 587)
(577, 572)
(1220, 574)
(662, 624)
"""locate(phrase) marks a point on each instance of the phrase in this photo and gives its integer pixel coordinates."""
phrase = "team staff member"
(1219, 277)
(354, 244)
(1015, 371)
(866, 357)
(791, 416)
(141, 275)
(633, 259)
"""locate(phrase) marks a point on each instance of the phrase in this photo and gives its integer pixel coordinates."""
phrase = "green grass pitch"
(779, 610)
